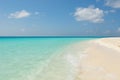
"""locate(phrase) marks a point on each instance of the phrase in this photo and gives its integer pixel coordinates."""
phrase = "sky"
(59, 17)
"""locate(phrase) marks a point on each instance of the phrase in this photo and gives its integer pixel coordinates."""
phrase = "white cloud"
(90, 14)
(113, 3)
(19, 14)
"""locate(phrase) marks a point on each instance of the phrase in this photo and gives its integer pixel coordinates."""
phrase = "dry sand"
(102, 61)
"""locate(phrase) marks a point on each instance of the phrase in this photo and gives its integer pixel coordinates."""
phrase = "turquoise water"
(27, 58)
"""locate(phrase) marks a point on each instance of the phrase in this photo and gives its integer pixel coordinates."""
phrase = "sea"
(37, 58)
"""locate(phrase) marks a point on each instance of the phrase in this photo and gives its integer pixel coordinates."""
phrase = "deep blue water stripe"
(54, 36)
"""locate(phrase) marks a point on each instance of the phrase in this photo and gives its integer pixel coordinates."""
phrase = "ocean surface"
(36, 58)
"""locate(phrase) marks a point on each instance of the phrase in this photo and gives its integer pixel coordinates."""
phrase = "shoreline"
(85, 60)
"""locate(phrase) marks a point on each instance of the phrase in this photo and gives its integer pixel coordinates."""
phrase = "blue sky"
(60, 17)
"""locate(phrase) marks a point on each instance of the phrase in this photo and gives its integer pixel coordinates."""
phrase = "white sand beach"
(102, 61)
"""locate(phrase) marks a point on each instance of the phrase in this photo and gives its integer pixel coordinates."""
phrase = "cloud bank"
(91, 14)
(19, 14)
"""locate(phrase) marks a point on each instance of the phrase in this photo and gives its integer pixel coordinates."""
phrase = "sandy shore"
(102, 60)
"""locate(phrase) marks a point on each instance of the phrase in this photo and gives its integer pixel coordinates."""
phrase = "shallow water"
(36, 58)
